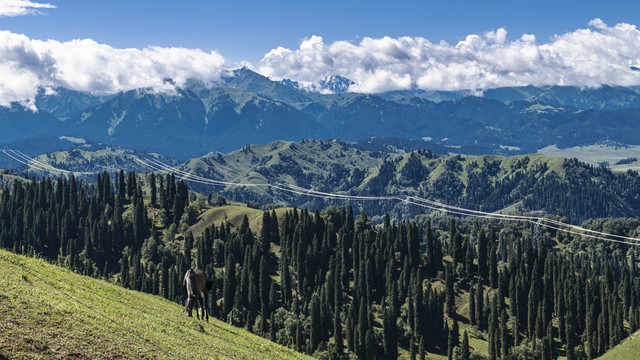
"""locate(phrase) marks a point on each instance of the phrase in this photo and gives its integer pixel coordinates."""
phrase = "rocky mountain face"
(248, 108)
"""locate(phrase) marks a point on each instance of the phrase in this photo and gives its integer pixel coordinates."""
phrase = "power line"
(158, 165)
(31, 162)
(425, 203)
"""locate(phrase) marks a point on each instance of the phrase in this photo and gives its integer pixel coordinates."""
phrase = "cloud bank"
(10, 8)
(85, 65)
(599, 54)
(590, 57)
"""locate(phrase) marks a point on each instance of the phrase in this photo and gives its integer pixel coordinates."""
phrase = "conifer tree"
(229, 284)
(483, 270)
(468, 262)
(450, 291)
(153, 189)
(465, 346)
(450, 344)
(337, 330)
(122, 191)
(472, 306)
(481, 321)
(493, 264)
(390, 340)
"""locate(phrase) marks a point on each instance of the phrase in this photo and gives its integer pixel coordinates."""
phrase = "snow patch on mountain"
(332, 84)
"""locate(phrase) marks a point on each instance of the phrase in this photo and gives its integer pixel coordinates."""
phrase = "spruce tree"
(229, 284)
(468, 262)
(465, 346)
(450, 291)
(153, 189)
(412, 349)
(389, 330)
(450, 344)
(316, 321)
(483, 270)
(122, 191)
(337, 330)
(493, 264)
(472, 306)
(481, 321)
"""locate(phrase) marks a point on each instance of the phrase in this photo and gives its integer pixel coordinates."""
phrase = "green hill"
(489, 183)
(534, 182)
(234, 214)
(626, 350)
(49, 312)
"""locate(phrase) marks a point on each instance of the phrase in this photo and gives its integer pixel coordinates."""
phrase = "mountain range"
(248, 108)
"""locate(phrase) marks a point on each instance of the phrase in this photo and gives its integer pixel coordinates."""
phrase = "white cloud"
(600, 54)
(9, 8)
(85, 65)
(594, 56)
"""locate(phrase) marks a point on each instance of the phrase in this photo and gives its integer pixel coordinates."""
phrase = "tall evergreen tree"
(483, 269)
(390, 339)
(465, 347)
(153, 189)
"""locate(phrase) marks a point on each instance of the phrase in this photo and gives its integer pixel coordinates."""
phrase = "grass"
(594, 154)
(234, 214)
(626, 350)
(47, 312)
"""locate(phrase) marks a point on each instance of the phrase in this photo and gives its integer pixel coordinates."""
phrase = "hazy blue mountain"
(431, 95)
(192, 122)
(17, 122)
(509, 94)
(248, 108)
(145, 120)
(487, 111)
(604, 97)
(247, 80)
(64, 102)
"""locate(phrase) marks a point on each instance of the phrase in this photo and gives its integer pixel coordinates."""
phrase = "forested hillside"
(489, 183)
(551, 185)
(334, 284)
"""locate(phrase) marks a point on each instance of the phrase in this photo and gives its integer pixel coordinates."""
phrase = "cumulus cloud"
(599, 54)
(590, 57)
(27, 65)
(9, 8)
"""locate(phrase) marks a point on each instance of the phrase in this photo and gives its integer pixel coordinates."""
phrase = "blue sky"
(109, 46)
(246, 30)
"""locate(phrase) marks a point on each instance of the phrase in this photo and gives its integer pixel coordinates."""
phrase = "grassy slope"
(594, 154)
(629, 349)
(234, 215)
(40, 318)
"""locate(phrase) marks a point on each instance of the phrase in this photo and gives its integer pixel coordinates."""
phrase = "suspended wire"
(31, 162)
(26, 160)
(425, 203)
(39, 163)
(158, 165)
(534, 219)
(23, 162)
